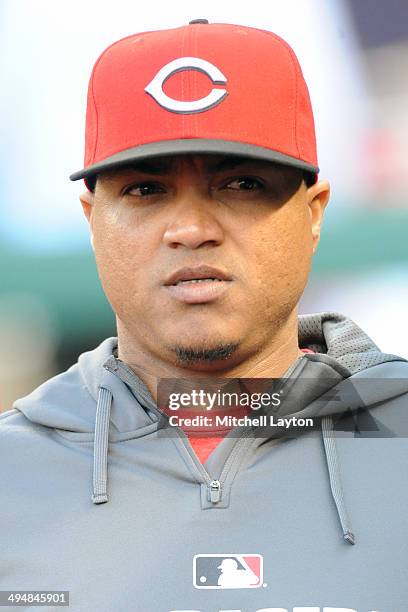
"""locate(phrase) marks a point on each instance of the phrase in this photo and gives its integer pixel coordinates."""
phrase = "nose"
(193, 221)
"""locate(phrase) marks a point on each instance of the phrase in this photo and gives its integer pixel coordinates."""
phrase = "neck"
(269, 360)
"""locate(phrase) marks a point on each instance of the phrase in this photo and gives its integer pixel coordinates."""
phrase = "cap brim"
(191, 145)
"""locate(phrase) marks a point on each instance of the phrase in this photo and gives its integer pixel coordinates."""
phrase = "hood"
(101, 396)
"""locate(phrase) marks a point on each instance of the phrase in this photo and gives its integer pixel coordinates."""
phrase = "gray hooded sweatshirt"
(97, 501)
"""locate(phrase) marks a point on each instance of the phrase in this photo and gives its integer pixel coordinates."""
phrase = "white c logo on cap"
(155, 87)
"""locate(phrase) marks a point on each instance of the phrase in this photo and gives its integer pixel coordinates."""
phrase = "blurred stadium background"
(354, 55)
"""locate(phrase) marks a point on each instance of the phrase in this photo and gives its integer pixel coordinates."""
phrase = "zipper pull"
(215, 491)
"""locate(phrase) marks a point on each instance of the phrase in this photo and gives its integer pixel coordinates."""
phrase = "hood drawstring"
(100, 465)
(101, 442)
(335, 480)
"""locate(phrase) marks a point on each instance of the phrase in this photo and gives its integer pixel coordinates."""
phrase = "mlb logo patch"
(228, 571)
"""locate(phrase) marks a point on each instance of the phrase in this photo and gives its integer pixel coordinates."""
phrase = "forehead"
(205, 163)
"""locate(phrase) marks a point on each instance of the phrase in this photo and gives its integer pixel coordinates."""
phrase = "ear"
(318, 197)
(87, 202)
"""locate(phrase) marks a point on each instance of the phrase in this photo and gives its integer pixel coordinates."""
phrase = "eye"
(143, 189)
(245, 183)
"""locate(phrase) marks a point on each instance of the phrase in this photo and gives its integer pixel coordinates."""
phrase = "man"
(205, 210)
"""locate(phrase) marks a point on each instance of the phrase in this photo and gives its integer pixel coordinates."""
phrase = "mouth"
(196, 274)
(197, 285)
(196, 280)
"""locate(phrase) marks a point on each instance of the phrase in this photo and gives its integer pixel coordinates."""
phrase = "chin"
(211, 352)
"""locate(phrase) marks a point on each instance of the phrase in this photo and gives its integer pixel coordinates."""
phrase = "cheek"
(283, 258)
(122, 257)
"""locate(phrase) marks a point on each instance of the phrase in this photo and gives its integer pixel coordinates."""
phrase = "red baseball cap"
(201, 88)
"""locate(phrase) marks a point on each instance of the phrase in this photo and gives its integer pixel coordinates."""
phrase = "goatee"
(193, 355)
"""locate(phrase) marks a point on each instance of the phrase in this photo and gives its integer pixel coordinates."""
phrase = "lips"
(197, 273)
(198, 285)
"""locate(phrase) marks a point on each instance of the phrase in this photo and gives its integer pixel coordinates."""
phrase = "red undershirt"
(203, 447)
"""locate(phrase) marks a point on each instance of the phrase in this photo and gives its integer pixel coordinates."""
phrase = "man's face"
(255, 222)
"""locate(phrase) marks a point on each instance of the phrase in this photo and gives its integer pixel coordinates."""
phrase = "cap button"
(198, 21)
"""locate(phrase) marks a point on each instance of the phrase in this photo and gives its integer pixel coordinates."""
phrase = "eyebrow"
(150, 167)
(160, 167)
(229, 163)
